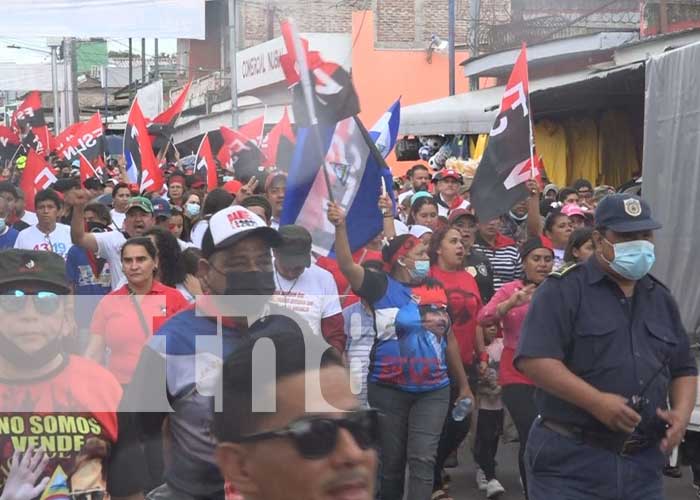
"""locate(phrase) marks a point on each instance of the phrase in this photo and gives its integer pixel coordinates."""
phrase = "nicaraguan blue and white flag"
(355, 177)
(386, 131)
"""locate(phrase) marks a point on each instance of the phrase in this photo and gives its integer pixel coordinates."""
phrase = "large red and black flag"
(278, 145)
(205, 165)
(37, 175)
(9, 143)
(506, 166)
(141, 165)
(334, 97)
(161, 128)
(29, 113)
(37, 139)
(86, 138)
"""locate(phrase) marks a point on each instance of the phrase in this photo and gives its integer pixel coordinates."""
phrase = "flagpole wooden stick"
(309, 98)
(12, 160)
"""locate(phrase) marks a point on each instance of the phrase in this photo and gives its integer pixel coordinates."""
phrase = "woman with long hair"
(126, 318)
(580, 246)
(509, 306)
(414, 357)
(446, 254)
(424, 211)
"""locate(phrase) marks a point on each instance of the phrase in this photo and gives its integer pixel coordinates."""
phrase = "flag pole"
(309, 98)
(533, 168)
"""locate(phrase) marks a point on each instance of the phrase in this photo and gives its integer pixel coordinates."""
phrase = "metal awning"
(474, 112)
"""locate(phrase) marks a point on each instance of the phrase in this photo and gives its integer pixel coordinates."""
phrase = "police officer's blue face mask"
(633, 259)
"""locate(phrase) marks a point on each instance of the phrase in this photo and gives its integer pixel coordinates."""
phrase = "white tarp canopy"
(103, 18)
(474, 112)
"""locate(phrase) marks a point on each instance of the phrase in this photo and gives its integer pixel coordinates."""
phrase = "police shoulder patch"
(564, 270)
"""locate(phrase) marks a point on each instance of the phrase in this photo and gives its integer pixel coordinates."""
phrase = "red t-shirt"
(347, 297)
(117, 321)
(70, 413)
(464, 302)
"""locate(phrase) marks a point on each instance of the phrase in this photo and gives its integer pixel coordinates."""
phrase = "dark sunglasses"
(317, 437)
(97, 494)
(14, 301)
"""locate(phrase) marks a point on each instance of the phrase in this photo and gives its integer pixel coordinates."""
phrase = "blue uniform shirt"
(616, 344)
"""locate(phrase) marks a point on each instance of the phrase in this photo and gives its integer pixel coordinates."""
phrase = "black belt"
(620, 444)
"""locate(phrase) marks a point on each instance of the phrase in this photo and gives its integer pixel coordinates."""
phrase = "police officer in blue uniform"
(604, 343)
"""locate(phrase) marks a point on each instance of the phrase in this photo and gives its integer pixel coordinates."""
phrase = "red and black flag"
(89, 169)
(37, 175)
(240, 151)
(141, 165)
(334, 97)
(9, 143)
(161, 128)
(29, 113)
(506, 166)
(86, 138)
(38, 139)
(205, 165)
(278, 145)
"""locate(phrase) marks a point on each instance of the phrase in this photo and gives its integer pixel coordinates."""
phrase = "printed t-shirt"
(89, 287)
(69, 413)
(58, 241)
(8, 238)
(463, 302)
(313, 295)
(109, 247)
(117, 321)
(405, 354)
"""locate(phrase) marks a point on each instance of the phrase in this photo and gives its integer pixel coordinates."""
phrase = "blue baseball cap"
(161, 207)
(625, 213)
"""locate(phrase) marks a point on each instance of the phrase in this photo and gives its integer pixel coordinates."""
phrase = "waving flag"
(386, 130)
(278, 144)
(88, 170)
(86, 138)
(241, 149)
(205, 165)
(38, 139)
(333, 93)
(9, 143)
(506, 166)
(141, 165)
(161, 128)
(37, 175)
(355, 169)
(29, 113)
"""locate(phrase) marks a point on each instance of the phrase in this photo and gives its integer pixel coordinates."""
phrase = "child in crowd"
(490, 418)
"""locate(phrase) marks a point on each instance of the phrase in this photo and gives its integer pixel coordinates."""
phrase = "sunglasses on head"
(317, 437)
(15, 300)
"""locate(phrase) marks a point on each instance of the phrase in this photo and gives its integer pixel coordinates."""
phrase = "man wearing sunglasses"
(296, 451)
(64, 404)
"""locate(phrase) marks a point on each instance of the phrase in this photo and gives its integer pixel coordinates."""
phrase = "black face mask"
(260, 283)
(32, 361)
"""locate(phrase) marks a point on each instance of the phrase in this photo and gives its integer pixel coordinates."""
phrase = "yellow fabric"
(617, 152)
(550, 141)
(582, 137)
(477, 145)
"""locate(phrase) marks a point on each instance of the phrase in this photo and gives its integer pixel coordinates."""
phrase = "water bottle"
(462, 409)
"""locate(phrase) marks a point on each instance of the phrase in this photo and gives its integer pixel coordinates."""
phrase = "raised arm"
(534, 221)
(354, 273)
(387, 210)
(78, 234)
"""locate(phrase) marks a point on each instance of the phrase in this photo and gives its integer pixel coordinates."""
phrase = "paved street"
(464, 487)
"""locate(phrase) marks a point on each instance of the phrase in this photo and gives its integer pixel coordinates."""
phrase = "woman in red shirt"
(127, 317)
(464, 302)
(509, 306)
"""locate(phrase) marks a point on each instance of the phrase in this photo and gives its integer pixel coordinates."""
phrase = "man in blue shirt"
(8, 234)
(605, 345)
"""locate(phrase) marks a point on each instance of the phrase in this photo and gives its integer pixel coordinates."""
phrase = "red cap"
(448, 173)
(198, 183)
(460, 212)
(232, 186)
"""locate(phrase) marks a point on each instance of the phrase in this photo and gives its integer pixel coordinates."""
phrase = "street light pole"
(54, 88)
(451, 42)
(233, 48)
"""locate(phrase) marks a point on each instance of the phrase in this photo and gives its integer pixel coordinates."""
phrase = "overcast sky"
(35, 50)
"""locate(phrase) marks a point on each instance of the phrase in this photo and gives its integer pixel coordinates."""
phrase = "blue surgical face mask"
(192, 209)
(3, 225)
(633, 259)
(420, 269)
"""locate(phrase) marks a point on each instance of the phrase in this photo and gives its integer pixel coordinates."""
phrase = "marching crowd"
(145, 308)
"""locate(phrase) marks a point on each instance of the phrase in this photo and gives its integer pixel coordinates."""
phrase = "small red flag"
(29, 113)
(37, 175)
(141, 163)
(247, 137)
(170, 115)
(270, 144)
(82, 138)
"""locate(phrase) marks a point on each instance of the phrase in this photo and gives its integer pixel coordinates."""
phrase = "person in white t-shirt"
(306, 288)
(108, 245)
(22, 214)
(120, 200)
(47, 234)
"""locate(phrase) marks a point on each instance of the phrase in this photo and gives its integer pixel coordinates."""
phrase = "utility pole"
(233, 48)
(156, 65)
(143, 61)
(475, 14)
(131, 67)
(66, 83)
(53, 45)
(451, 43)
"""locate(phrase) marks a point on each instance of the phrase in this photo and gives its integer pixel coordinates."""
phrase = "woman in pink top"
(510, 305)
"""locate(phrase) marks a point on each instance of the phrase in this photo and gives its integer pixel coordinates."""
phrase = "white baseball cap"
(232, 224)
